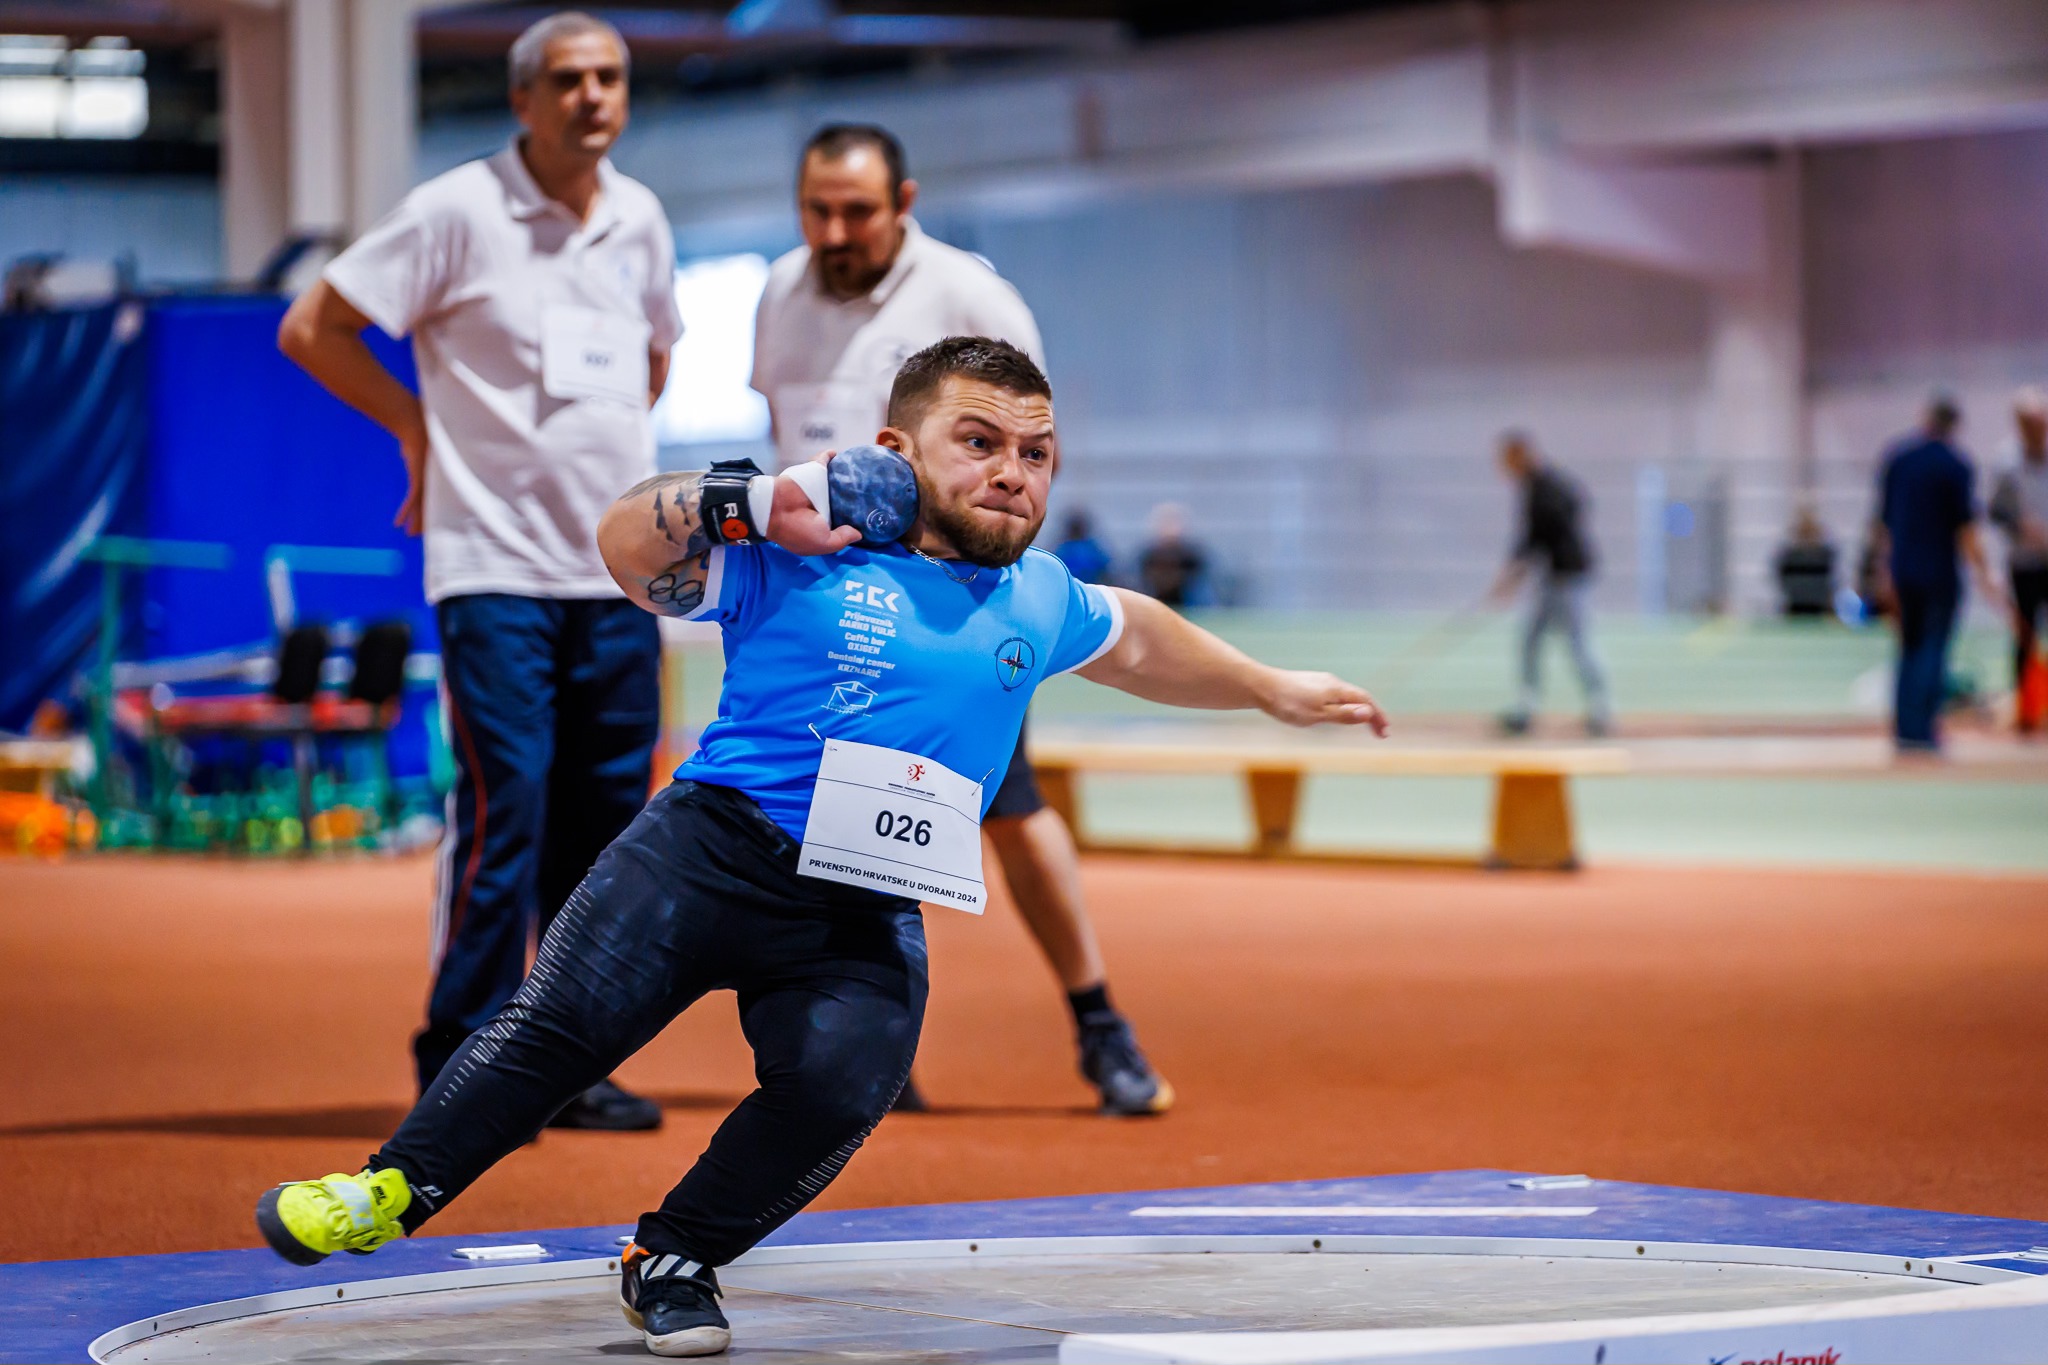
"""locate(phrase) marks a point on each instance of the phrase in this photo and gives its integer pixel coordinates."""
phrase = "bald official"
(537, 286)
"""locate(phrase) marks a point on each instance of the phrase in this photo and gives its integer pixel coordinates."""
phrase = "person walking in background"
(1172, 567)
(1553, 545)
(1084, 555)
(2019, 507)
(1926, 522)
(838, 317)
(538, 288)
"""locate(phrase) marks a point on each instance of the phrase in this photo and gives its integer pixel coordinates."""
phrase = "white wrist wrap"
(817, 485)
(761, 501)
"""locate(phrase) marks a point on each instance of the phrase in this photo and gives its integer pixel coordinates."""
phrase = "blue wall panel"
(246, 450)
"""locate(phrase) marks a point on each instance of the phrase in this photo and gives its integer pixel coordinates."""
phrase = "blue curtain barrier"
(179, 420)
(73, 446)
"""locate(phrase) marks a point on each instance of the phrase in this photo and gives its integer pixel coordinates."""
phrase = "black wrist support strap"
(722, 503)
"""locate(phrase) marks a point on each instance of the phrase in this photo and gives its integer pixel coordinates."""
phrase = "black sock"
(1094, 1000)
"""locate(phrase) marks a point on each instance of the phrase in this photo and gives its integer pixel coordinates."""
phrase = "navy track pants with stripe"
(552, 709)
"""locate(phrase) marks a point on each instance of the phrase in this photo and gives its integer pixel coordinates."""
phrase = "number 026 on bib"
(897, 822)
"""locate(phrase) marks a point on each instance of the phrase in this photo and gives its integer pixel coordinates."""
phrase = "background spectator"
(1927, 520)
(1172, 567)
(1086, 557)
(2019, 507)
(1806, 568)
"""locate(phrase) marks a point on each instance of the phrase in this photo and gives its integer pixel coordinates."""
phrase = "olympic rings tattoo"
(677, 592)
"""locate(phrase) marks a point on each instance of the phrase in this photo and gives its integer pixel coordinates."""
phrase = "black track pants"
(699, 894)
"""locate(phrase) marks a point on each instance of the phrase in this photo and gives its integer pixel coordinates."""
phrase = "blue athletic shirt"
(883, 647)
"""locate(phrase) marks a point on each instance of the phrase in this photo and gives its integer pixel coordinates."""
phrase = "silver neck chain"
(944, 568)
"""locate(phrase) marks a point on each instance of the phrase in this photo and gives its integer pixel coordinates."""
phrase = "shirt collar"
(906, 260)
(528, 200)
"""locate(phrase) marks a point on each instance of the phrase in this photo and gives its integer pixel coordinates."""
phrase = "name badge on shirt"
(829, 416)
(892, 820)
(589, 353)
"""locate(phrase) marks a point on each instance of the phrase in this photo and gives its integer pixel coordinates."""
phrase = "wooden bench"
(1532, 819)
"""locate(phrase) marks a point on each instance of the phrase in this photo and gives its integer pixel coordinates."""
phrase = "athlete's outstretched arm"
(1162, 657)
(654, 542)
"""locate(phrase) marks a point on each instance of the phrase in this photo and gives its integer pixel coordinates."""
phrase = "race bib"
(589, 353)
(890, 820)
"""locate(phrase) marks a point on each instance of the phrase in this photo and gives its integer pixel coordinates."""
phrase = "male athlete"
(866, 289)
(870, 690)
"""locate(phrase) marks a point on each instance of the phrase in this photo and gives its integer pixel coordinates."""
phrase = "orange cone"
(2033, 709)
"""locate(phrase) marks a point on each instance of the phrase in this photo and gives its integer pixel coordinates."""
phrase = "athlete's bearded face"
(984, 458)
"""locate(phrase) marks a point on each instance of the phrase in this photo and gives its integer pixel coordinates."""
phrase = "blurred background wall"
(1712, 253)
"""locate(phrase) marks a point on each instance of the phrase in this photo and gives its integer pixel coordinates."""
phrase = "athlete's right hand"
(797, 525)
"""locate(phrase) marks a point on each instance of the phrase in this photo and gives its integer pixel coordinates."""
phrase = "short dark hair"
(983, 359)
(835, 140)
(1944, 413)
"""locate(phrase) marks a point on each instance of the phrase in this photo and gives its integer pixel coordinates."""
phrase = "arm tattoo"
(679, 588)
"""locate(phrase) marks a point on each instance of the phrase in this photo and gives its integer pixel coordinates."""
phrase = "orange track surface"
(181, 1034)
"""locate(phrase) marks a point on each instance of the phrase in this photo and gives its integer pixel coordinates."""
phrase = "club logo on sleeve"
(1015, 658)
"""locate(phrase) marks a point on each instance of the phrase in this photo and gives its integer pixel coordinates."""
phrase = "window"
(707, 398)
(49, 89)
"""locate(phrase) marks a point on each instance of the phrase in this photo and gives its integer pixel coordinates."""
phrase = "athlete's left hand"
(798, 526)
(1301, 698)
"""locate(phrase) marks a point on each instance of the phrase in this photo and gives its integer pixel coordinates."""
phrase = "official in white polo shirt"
(537, 286)
(838, 317)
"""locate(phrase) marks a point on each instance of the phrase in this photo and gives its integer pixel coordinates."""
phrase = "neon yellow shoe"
(307, 1221)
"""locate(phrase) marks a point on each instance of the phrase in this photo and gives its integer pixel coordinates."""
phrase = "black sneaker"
(608, 1109)
(910, 1100)
(1514, 724)
(1111, 1061)
(674, 1303)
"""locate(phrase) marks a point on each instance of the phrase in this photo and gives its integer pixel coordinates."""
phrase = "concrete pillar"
(1754, 421)
(384, 107)
(320, 110)
(254, 149)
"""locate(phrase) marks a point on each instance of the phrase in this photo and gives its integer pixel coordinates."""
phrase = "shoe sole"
(694, 1341)
(279, 1236)
(1161, 1101)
